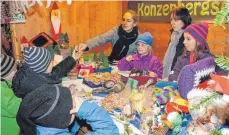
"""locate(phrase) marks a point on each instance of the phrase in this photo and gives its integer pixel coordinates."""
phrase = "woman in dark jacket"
(180, 19)
(122, 37)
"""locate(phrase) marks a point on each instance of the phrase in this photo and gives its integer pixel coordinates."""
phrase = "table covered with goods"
(139, 104)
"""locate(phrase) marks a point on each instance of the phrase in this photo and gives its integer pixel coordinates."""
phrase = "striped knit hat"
(199, 32)
(7, 65)
(158, 93)
(169, 92)
(37, 58)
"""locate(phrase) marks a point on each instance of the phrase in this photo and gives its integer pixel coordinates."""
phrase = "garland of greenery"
(222, 62)
(53, 49)
(222, 16)
(205, 101)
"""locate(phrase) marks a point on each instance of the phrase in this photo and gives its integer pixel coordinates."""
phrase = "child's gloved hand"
(129, 58)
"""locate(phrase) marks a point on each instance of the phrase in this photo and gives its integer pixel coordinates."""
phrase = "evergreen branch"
(223, 62)
(205, 101)
(222, 16)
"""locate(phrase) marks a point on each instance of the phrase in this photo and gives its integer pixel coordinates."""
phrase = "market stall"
(139, 100)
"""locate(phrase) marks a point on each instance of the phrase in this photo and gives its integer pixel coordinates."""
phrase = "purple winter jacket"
(182, 61)
(146, 62)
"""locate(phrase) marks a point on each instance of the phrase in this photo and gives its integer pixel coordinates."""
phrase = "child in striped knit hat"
(47, 108)
(40, 61)
(9, 102)
(196, 48)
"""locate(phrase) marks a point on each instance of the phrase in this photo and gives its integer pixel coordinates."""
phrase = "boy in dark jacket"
(47, 108)
(40, 61)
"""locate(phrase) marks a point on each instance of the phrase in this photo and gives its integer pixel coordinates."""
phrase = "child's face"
(176, 24)
(189, 42)
(142, 48)
(128, 22)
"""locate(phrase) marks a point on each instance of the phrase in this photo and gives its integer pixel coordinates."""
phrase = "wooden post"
(16, 45)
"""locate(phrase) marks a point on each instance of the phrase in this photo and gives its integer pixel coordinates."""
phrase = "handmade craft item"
(193, 74)
(24, 43)
(208, 106)
(98, 79)
(116, 100)
(55, 22)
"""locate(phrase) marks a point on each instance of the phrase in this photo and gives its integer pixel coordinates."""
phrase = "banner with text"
(159, 11)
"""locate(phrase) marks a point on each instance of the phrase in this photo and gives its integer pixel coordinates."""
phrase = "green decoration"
(88, 56)
(8, 33)
(205, 101)
(53, 49)
(105, 62)
(101, 56)
(222, 62)
(95, 58)
(222, 16)
(7, 30)
(132, 83)
(216, 132)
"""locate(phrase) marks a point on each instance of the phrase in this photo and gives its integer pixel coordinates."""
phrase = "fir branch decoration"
(216, 132)
(206, 101)
(53, 49)
(7, 30)
(223, 62)
(222, 16)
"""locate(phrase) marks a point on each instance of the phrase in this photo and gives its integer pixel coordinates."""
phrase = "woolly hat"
(145, 38)
(199, 32)
(169, 92)
(158, 93)
(37, 58)
(7, 65)
(162, 99)
(47, 106)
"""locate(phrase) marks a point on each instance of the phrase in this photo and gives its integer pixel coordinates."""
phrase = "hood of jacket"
(26, 80)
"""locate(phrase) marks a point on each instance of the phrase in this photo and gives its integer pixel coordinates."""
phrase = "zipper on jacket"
(122, 50)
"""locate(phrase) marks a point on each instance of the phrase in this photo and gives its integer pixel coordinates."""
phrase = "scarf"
(171, 51)
(121, 46)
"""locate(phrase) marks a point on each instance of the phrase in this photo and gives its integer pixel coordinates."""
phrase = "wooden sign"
(159, 11)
